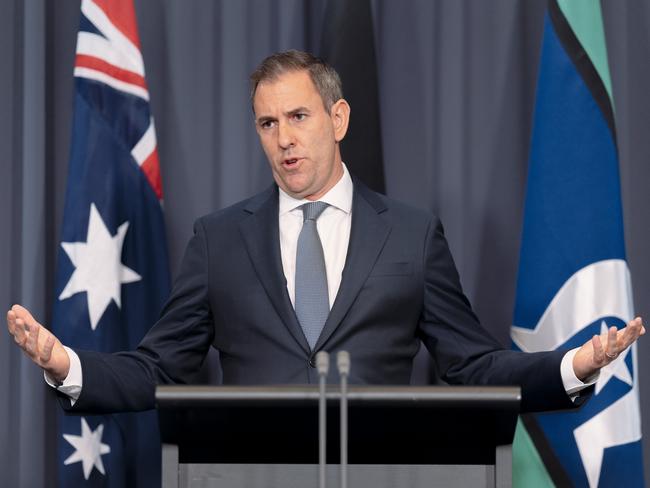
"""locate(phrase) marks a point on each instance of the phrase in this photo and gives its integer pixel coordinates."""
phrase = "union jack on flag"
(112, 273)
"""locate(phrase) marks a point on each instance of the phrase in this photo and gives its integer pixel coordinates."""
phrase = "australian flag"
(112, 275)
(574, 281)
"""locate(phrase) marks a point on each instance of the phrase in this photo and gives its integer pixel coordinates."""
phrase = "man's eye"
(267, 124)
(300, 117)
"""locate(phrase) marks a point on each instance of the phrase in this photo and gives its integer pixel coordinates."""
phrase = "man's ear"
(340, 114)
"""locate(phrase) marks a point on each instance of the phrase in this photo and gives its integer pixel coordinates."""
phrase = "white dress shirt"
(334, 230)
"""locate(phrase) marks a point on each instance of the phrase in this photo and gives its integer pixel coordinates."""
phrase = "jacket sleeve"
(464, 352)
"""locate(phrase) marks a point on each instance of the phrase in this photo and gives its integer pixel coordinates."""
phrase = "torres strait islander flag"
(573, 280)
(112, 275)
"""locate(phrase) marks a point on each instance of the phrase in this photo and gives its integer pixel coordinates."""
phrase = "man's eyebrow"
(264, 118)
(298, 110)
(267, 118)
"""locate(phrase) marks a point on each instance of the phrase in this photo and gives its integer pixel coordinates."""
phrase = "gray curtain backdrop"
(457, 85)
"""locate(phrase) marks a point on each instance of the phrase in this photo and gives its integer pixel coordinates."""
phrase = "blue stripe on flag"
(573, 213)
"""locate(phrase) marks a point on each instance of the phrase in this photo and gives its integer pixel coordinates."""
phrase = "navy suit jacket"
(399, 288)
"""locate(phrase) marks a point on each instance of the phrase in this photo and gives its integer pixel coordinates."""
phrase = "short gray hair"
(325, 78)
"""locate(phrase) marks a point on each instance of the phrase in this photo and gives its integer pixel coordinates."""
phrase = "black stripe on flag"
(583, 64)
(545, 451)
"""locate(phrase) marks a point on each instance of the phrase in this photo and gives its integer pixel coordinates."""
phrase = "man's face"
(299, 137)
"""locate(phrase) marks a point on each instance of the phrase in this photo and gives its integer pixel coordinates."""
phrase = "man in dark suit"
(247, 284)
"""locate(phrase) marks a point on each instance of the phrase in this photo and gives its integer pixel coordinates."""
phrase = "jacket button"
(312, 362)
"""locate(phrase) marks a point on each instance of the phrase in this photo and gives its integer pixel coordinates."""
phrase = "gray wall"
(457, 83)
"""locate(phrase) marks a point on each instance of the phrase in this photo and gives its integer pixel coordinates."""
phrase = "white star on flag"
(98, 267)
(88, 448)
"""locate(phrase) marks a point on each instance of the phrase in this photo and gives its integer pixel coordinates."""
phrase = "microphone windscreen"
(322, 362)
(343, 362)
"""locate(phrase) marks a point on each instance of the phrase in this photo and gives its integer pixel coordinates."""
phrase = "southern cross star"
(88, 448)
(98, 267)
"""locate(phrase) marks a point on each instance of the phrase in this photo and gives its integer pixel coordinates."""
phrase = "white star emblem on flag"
(88, 448)
(98, 267)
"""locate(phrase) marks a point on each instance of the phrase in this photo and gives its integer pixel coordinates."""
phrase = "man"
(274, 279)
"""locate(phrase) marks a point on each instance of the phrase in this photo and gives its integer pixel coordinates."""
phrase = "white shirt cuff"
(572, 384)
(72, 383)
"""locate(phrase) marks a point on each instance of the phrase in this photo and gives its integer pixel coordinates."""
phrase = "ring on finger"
(611, 356)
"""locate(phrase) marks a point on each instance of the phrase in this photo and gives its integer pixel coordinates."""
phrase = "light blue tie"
(312, 298)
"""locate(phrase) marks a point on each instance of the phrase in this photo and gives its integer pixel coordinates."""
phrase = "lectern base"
(191, 475)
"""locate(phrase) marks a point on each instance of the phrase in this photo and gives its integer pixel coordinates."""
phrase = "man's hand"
(38, 343)
(602, 350)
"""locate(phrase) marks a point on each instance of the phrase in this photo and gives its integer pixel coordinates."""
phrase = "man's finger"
(631, 333)
(639, 329)
(599, 353)
(11, 321)
(35, 331)
(19, 332)
(612, 347)
(32, 340)
(23, 313)
(641, 324)
(46, 352)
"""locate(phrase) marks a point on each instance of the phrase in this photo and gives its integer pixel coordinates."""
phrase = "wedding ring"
(611, 356)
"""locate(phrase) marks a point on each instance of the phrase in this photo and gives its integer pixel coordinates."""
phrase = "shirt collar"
(339, 196)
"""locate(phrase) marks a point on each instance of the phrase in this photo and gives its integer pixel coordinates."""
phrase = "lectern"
(400, 436)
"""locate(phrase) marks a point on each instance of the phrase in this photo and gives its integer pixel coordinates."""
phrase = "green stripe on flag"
(528, 470)
(586, 20)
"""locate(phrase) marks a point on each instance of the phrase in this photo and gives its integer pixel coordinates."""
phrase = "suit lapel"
(367, 238)
(261, 235)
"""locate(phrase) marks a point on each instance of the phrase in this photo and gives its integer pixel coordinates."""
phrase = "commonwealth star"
(98, 267)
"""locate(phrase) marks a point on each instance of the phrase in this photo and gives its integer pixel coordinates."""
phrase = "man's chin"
(295, 189)
(298, 194)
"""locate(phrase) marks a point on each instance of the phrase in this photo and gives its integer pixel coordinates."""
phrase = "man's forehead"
(289, 77)
(293, 87)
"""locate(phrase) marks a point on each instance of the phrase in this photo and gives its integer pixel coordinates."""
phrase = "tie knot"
(312, 210)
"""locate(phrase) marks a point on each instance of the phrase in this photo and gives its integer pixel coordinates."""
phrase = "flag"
(573, 280)
(348, 44)
(112, 272)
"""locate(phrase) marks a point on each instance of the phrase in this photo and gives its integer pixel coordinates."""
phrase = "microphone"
(322, 366)
(343, 365)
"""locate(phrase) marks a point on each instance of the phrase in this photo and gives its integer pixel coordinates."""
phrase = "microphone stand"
(322, 365)
(343, 365)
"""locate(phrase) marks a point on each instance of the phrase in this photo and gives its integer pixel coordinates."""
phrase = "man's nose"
(285, 135)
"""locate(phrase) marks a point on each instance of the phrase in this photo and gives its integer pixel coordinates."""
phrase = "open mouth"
(291, 162)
